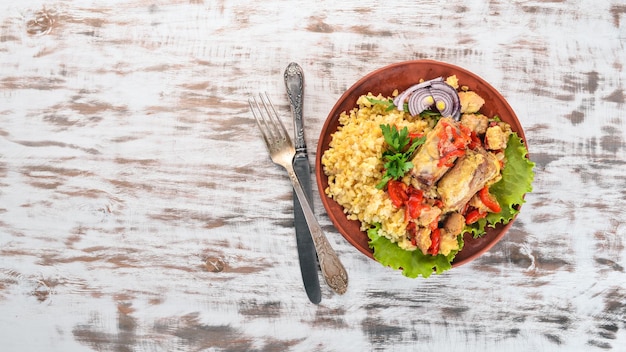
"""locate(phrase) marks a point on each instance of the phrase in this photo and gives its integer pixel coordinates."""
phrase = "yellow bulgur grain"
(353, 164)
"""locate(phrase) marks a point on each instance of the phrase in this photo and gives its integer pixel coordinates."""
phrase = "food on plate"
(438, 153)
(418, 170)
(469, 175)
(434, 94)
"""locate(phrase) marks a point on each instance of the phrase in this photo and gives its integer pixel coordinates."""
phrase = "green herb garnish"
(388, 103)
(398, 154)
(430, 114)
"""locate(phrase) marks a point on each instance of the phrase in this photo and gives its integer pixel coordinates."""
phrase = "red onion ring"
(401, 98)
(435, 92)
(420, 100)
(443, 92)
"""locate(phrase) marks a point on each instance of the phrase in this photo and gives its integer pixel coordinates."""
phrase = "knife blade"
(294, 84)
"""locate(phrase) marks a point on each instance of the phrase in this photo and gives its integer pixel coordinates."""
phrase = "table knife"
(294, 83)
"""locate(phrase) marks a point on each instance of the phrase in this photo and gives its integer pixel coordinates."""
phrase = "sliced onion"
(420, 100)
(424, 95)
(401, 98)
(446, 99)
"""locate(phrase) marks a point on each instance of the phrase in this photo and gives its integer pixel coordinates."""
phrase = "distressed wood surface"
(139, 210)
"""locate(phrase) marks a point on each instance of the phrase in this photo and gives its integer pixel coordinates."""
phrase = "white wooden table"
(139, 210)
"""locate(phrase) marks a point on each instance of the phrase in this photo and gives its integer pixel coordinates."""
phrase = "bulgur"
(353, 164)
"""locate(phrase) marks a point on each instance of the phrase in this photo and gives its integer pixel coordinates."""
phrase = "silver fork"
(282, 152)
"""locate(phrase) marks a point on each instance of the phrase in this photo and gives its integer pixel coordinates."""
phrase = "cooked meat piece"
(428, 215)
(453, 81)
(454, 224)
(422, 239)
(477, 123)
(497, 136)
(426, 171)
(467, 177)
(447, 242)
(470, 102)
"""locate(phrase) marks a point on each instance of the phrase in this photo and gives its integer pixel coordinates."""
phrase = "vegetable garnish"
(397, 156)
(517, 178)
(397, 193)
(435, 93)
(412, 263)
(503, 199)
(388, 104)
(489, 201)
(473, 216)
(437, 178)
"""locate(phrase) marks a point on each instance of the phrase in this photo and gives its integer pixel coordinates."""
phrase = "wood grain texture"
(139, 210)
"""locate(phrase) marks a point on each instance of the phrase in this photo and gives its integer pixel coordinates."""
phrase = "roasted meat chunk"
(454, 223)
(435, 157)
(471, 102)
(477, 123)
(423, 240)
(497, 136)
(470, 174)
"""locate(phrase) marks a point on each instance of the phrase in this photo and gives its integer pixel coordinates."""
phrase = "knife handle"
(294, 83)
(332, 270)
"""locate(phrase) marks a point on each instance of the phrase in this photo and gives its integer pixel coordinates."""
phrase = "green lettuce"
(412, 263)
(517, 178)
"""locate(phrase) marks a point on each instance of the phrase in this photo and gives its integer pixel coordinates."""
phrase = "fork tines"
(267, 119)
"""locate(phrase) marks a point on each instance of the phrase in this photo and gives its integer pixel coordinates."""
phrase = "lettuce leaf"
(412, 263)
(517, 178)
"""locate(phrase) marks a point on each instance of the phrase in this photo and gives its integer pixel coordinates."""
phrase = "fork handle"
(332, 270)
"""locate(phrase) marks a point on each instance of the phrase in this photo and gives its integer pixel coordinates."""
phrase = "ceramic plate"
(384, 81)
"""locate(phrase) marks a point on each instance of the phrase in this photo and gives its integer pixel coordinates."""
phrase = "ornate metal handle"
(332, 269)
(294, 83)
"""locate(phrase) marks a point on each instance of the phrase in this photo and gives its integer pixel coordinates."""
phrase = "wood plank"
(139, 209)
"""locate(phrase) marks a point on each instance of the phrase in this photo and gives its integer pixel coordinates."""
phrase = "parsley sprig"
(398, 154)
(387, 103)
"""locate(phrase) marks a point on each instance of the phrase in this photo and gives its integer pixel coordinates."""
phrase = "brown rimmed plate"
(384, 81)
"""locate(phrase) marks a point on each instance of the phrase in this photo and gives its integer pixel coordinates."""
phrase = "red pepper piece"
(488, 200)
(466, 131)
(445, 160)
(414, 135)
(412, 191)
(414, 207)
(435, 238)
(414, 204)
(397, 192)
(474, 216)
(475, 141)
(458, 139)
(452, 143)
(444, 137)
